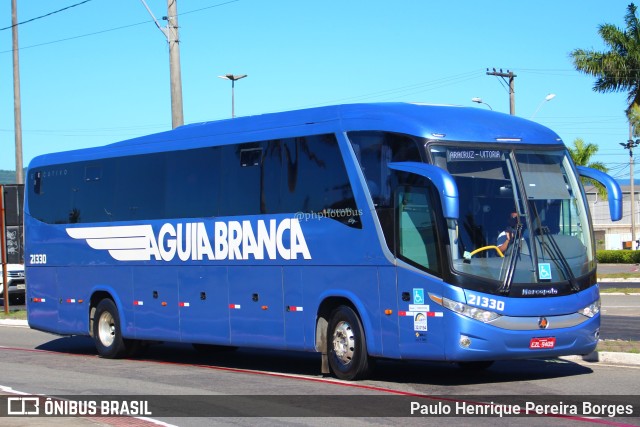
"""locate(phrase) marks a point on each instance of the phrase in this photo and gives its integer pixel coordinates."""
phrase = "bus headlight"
(476, 313)
(592, 309)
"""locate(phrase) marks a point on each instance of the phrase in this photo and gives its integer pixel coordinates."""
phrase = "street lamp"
(630, 145)
(233, 78)
(546, 99)
(479, 101)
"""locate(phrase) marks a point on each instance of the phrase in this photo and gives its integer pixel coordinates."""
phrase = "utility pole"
(511, 82)
(174, 63)
(171, 33)
(17, 110)
(630, 145)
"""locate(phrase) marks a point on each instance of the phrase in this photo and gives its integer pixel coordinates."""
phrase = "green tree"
(618, 68)
(634, 120)
(581, 153)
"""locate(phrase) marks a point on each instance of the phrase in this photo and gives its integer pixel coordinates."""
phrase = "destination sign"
(465, 155)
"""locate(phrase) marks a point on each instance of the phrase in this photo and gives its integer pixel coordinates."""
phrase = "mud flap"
(321, 343)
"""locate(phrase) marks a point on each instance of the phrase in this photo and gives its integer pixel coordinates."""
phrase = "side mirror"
(614, 194)
(441, 179)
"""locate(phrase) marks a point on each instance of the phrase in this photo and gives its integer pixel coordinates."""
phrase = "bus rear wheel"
(346, 345)
(107, 334)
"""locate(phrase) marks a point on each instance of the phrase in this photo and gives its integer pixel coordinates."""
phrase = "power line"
(113, 29)
(78, 37)
(208, 7)
(394, 93)
(44, 16)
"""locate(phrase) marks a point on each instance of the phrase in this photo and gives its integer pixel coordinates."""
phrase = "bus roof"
(435, 122)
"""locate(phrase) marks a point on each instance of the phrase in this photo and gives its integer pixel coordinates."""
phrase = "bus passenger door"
(420, 320)
(256, 308)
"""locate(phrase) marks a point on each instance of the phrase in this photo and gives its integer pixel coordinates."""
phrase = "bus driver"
(506, 237)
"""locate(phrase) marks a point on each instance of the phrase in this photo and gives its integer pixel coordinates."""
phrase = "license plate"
(542, 343)
(22, 286)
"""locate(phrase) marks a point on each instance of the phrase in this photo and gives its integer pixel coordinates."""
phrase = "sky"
(98, 72)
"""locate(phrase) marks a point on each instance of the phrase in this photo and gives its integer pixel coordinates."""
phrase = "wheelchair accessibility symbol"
(544, 271)
(418, 296)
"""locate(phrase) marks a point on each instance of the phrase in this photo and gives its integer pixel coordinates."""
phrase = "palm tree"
(581, 154)
(617, 69)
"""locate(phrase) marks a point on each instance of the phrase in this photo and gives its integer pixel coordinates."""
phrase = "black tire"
(107, 334)
(480, 365)
(346, 345)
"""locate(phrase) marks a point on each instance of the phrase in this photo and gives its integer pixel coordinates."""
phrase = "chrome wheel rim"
(106, 329)
(343, 342)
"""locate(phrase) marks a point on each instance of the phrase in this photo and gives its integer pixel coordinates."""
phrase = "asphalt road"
(620, 317)
(287, 386)
(618, 268)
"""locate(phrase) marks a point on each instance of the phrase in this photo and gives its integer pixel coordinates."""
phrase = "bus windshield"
(523, 218)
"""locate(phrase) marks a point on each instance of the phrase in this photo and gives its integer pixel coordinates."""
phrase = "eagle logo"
(124, 243)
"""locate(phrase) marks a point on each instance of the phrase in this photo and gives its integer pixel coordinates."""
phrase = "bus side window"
(417, 242)
(241, 170)
(374, 150)
(192, 183)
(315, 179)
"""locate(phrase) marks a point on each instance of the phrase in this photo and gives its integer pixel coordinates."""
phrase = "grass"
(619, 291)
(619, 276)
(624, 346)
(13, 314)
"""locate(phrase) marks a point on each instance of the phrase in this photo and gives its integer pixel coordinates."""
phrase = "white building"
(609, 234)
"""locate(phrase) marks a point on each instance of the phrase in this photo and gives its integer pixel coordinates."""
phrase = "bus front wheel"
(347, 348)
(106, 331)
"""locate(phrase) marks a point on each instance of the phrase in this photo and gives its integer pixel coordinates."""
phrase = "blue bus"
(360, 232)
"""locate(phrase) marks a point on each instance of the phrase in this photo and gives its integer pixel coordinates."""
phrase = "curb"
(608, 357)
(619, 280)
(14, 322)
(602, 294)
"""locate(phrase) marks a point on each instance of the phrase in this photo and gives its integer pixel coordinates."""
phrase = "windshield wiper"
(557, 256)
(505, 288)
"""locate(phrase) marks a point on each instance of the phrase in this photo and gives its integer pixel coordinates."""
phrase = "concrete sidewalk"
(606, 357)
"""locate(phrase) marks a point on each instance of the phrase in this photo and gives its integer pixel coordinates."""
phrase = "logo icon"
(544, 271)
(543, 323)
(418, 296)
(23, 406)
